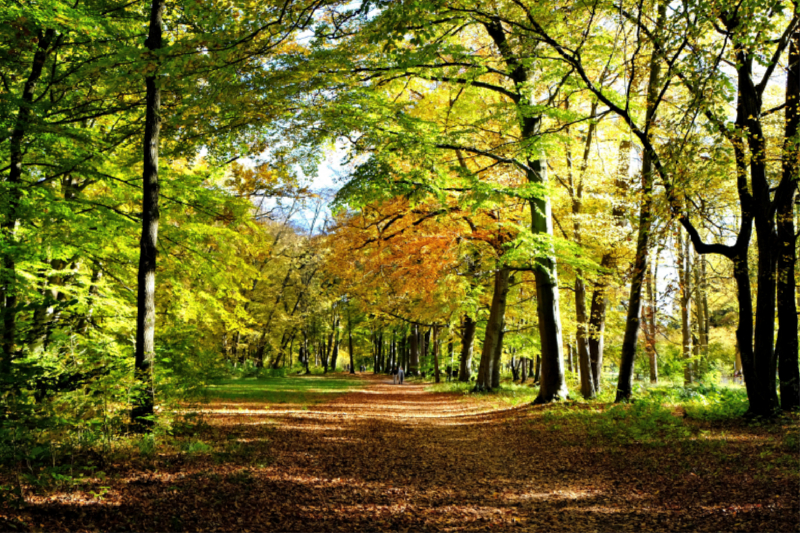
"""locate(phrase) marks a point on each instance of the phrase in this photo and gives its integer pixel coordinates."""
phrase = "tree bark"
(570, 359)
(685, 282)
(498, 357)
(597, 327)
(651, 328)
(582, 336)
(350, 343)
(146, 296)
(632, 324)
(494, 326)
(597, 313)
(11, 211)
(335, 353)
(760, 370)
(786, 250)
(413, 364)
(467, 344)
(553, 386)
(435, 343)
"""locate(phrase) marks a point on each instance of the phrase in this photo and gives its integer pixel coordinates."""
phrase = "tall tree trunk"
(582, 336)
(392, 353)
(413, 364)
(323, 350)
(335, 354)
(632, 324)
(685, 282)
(760, 370)
(570, 359)
(704, 338)
(597, 327)
(553, 384)
(11, 210)
(467, 343)
(700, 306)
(450, 350)
(582, 327)
(651, 326)
(146, 298)
(329, 352)
(435, 343)
(498, 357)
(350, 343)
(494, 326)
(786, 250)
(597, 313)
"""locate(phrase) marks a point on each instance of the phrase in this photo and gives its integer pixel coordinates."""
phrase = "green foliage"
(709, 402)
(194, 447)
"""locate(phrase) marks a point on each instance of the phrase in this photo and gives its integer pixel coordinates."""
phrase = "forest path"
(397, 457)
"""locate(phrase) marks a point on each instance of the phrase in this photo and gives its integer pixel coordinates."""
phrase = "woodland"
(570, 224)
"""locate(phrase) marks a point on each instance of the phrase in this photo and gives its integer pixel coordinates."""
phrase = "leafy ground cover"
(363, 454)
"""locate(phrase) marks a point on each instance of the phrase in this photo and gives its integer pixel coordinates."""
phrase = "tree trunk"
(651, 328)
(335, 353)
(786, 250)
(329, 352)
(570, 366)
(350, 343)
(582, 320)
(392, 354)
(584, 360)
(435, 343)
(146, 296)
(597, 313)
(553, 386)
(467, 343)
(701, 326)
(498, 357)
(597, 328)
(494, 326)
(685, 280)
(11, 209)
(759, 362)
(413, 363)
(632, 324)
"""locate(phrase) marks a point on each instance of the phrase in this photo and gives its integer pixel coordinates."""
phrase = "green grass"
(707, 402)
(302, 390)
(508, 394)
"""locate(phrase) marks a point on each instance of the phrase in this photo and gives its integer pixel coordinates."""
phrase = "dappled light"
(400, 461)
(452, 265)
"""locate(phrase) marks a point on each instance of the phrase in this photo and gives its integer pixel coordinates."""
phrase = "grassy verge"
(699, 401)
(299, 390)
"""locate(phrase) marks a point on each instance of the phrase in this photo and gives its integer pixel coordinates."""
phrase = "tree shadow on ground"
(356, 464)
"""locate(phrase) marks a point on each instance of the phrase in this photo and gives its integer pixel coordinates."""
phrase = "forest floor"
(344, 454)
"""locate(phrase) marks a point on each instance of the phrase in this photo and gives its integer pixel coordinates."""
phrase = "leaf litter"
(400, 458)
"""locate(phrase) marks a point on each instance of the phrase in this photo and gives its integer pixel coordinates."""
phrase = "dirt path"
(398, 458)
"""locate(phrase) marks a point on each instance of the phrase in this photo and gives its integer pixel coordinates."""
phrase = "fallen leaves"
(400, 458)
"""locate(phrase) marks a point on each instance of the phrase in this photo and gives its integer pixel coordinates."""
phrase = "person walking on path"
(400, 374)
(394, 376)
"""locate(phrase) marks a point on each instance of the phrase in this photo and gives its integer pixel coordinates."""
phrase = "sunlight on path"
(396, 458)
